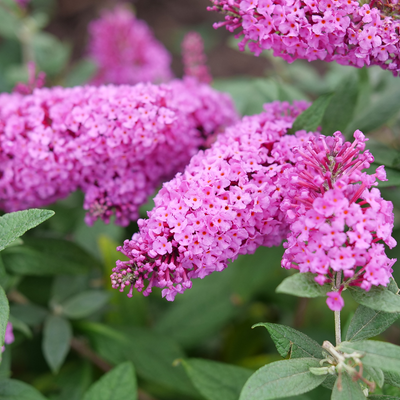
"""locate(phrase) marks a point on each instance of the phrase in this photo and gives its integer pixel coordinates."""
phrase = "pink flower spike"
(335, 301)
(9, 336)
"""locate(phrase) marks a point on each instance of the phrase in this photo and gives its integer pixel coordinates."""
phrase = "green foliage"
(215, 380)
(347, 390)
(302, 285)
(4, 311)
(57, 334)
(282, 379)
(84, 304)
(11, 389)
(14, 225)
(378, 298)
(118, 384)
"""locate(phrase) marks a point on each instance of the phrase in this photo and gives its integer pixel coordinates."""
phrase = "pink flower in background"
(342, 31)
(9, 337)
(194, 59)
(126, 51)
(225, 203)
(339, 220)
(115, 143)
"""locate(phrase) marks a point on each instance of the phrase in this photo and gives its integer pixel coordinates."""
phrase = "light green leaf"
(377, 113)
(382, 397)
(14, 225)
(367, 323)
(392, 379)
(378, 298)
(385, 356)
(215, 380)
(374, 374)
(289, 341)
(118, 384)
(302, 285)
(84, 304)
(341, 108)
(31, 314)
(81, 73)
(20, 326)
(349, 390)
(11, 389)
(57, 334)
(311, 118)
(282, 379)
(4, 313)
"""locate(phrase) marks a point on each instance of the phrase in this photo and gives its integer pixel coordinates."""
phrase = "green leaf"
(341, 108)
(383, 154)
(367, 323)
(20, 326)
(47, 257)
(31, 314)
(374, 374)
(377, 113)
(349, 390)
(289, 341)
(392, 379)
(378, 298)
(215, 380)
(84, 304)
(392, 175)
(118, 384)
(57, 334)
(11, 389)
(282, 379)
(311, 118)
(382, 397)
(385, 356)
(302, 285)
(4, 313)
(14, 225)
(81, 72)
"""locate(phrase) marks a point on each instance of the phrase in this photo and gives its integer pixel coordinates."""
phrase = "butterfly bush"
(115, 143)
(331, 30)
(9, 337)
(225, 203)
(126, 51)
(339, 220)
(194, 59)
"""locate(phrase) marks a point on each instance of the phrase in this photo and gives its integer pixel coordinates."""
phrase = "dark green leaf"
(349, 390)
(30, 314)
(378, 298)
(118, 384)
(289, 341)
(311, 118)
(151, 354)
(382, 397)
(84, 304)
(341, 108)
(47, 257)
(20, 326)
(215, 380)
(14, 225)
(367, 323)
(302, 285)
(11, 389)
(385, 356)
(282, 379)
(57, 334)
(4, 313)
(383, 154)
(376, 114)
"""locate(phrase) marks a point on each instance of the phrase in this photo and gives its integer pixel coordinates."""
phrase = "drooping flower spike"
(339, 220)
(126, 51)
(227, 202)
(331, 30)
(115, 143)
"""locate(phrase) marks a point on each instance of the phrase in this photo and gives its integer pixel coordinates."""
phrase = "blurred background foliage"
(70, 326)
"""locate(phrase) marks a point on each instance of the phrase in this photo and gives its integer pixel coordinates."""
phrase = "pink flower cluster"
(9, 337)
(126, 51)
(115, 143)
(339, 220)
(227, 202)
(330, 30)
(194, 59)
